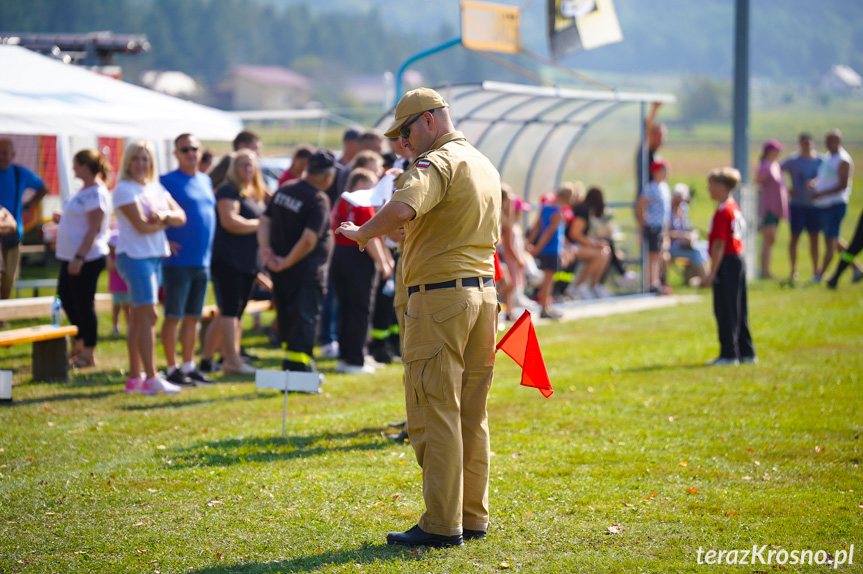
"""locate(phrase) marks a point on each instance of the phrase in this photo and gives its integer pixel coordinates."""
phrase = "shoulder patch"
(423, 163)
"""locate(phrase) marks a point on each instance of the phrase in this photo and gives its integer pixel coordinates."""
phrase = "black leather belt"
(466, 282)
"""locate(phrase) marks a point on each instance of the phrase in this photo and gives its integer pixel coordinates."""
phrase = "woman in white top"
(144, 209)
(82, 244)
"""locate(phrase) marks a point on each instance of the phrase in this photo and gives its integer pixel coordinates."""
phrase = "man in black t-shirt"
(296, 243)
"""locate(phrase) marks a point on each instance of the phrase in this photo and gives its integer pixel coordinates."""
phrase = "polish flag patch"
(423, 163)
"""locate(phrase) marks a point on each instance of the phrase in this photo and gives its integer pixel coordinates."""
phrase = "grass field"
(642, 456)
(639, 437)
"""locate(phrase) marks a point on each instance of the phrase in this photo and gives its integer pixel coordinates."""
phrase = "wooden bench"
(50, 358)
(35, 285)
(210, 312)
(38, 307)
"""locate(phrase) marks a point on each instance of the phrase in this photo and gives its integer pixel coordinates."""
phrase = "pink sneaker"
(134, 385)
(159, 386)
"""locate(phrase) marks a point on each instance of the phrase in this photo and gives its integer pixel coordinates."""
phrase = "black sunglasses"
(405, 130)
(188, 149)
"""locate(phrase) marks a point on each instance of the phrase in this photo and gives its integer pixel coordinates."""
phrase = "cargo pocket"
(423, 375)
(448, 313)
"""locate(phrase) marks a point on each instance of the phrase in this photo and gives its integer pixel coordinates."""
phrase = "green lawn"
(638, 434)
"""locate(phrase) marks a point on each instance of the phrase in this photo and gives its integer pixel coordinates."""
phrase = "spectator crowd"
(174, 235)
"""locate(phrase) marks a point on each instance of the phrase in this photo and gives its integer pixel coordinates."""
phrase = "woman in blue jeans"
(144, 209)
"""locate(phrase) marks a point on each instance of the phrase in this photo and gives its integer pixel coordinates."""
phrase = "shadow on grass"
(366, 554)
(261, 450)
(662, 367)
(190, 403)
(66, 397)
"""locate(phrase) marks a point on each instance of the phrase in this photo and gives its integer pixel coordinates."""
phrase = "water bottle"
(56, 312)
(389, 288)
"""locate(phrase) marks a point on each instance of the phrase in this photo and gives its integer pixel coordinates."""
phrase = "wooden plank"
(38, 307)
(40, 248)
(35, 283)
(34, 334)
(254, 306)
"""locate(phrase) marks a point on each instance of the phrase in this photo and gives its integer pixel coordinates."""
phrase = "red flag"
(498, 271)
(521, 345)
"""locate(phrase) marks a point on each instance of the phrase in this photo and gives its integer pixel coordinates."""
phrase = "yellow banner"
(490, 27)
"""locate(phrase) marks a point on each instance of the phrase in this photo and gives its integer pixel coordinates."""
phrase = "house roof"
(848, 76)
(273, 76)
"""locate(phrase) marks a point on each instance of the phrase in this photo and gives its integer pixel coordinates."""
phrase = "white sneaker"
(584, 292)
(629, 279)
(158, 386)
(243, 369)
(601, 292)
(344, 368)
(721, 362)
(330, 350)
(370, 361)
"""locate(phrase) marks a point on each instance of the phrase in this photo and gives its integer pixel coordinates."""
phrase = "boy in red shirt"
(728, 271)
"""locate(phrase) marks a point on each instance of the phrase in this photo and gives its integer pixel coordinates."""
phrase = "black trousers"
(298, 310)
(384, 322)
(77, 294)
(846, 258)
(354, 278)
(856, 244)
(730, 308)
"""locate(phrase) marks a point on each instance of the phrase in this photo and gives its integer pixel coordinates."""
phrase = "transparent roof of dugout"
(530, 132)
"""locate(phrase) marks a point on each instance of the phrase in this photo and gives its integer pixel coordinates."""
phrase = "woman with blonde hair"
(240, 201)
(82, 246)
(144, 209)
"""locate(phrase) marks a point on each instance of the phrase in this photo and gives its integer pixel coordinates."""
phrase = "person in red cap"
(774, 200)
(653, 212)
(449, 203)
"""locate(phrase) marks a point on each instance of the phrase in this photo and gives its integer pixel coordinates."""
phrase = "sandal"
(80, 362)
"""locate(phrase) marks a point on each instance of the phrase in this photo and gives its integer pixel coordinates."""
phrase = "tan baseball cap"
(413, 103)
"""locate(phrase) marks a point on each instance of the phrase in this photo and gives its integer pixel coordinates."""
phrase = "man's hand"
(352, 232)
(276, 263)
(266, 255)
(74, 267)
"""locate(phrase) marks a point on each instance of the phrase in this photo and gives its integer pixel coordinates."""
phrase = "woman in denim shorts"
(144, 209)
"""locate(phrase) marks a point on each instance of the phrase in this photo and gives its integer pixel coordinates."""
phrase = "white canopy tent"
(41, 96)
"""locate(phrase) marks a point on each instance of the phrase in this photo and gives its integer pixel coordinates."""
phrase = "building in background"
(263, 88)
(842, 80)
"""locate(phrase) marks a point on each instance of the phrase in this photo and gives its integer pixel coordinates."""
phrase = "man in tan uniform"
(449, 205)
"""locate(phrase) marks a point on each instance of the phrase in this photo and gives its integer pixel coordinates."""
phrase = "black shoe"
(209, 366)
(417, 537)
(398, 424)
(248, 357)
(381, 354)
(298, 367)
(468, 534)
(550, 314)
(199, 378)
(178, 378)
(401, 438)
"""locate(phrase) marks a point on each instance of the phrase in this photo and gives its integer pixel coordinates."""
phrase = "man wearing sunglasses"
(449, 205)
(186, 272)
